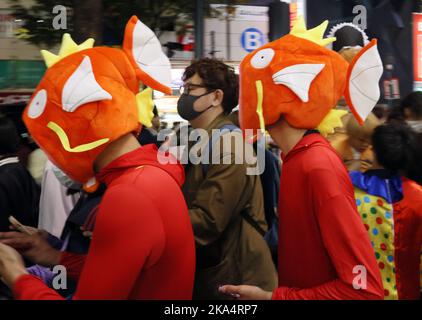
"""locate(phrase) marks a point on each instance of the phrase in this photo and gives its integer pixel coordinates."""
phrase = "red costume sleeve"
(346, 241)
(73, 263)
(127, 238)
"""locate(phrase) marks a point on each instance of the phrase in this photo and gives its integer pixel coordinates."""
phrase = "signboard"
(246, 30)
(417, 49)
(251, 39)
(250, 13)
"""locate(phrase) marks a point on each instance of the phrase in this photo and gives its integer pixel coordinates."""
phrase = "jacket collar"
(381, 183)
(219, 121)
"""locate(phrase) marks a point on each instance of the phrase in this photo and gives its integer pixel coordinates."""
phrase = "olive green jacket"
(229, 249)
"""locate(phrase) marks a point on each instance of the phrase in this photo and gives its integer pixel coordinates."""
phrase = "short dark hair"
(216, 75)
(394, 145)
(415, 170)
(413, 102)
(9, 137)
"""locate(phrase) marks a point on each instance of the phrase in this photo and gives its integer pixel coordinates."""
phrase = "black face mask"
(185, 106)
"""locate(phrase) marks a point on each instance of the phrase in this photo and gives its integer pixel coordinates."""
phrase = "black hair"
(9, 137)
(415, 170)
(155, 111)
(413, 102)
(394, 144)
(217, 75)
(348, 36)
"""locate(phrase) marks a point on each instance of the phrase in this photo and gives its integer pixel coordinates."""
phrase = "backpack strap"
(248, 217)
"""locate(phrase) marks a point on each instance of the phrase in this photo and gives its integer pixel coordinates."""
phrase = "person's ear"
(218, 97)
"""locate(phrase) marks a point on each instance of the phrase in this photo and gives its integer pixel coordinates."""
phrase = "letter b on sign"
(252, 39)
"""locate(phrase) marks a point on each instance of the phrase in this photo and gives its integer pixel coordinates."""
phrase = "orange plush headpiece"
(90, 97)
(297, 78)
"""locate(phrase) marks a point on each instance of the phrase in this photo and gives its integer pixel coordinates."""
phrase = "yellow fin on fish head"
(68, 46)
(145, 107)
(331, 121)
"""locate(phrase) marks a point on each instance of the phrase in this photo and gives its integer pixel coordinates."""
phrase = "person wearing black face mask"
(190, 105)
(229, 248)
(186, 102)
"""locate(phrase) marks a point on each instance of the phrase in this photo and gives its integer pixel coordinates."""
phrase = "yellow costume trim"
(145, 106)
(68, 46)
(259, 110)
(315, 35)
(331, 121)
(65, 140)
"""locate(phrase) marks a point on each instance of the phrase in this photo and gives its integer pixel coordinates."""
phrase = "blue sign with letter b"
(251, 39)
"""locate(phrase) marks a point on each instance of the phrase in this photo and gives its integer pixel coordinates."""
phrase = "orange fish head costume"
(89, 97)
(296, 77)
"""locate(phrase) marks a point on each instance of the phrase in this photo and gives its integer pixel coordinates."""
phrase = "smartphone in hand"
(19, 226)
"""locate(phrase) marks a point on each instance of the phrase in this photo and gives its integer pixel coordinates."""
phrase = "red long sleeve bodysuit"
(321, 236)
(407, 217)
(142, 245)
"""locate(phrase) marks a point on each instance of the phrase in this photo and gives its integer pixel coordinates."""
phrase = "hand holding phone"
(19, 226)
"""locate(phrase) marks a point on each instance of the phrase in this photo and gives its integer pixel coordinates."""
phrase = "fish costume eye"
(296, 77)
(262, 58)
(94, 98)
(37, 106)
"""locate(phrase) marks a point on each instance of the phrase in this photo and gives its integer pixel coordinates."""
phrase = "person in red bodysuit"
(324, 251)
(142, 244)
